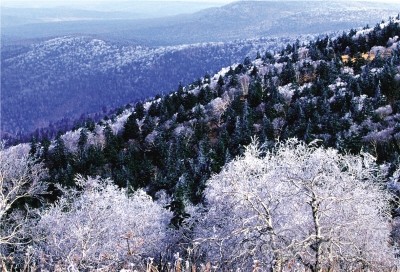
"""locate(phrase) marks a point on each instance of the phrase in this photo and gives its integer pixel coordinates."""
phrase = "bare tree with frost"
(100, 227)
(297, 207)
(244, 83)
(219, 106)
(20, 178)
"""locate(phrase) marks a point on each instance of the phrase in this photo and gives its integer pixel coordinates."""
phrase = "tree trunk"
(317, 229)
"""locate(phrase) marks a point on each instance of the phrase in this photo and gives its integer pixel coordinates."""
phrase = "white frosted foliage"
(297, 206)
(100, 226)
(20, 177)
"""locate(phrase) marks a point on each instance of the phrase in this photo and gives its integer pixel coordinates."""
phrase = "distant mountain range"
(39, 12)
(238, 20)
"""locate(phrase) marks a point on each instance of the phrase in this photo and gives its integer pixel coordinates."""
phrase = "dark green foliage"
(34, 145)
(220, 81)
(390, 87)
(131, 129)
(288, 74)
(154, 109)
(83, 137)
(139, 110)
(181, 116)
(112, 146)
(59, 163)
(255, 94)
(148, 126)
(234, 81)
(189, 101)
(205, 95)
(60, 154)
(180, 215)
(220, 85)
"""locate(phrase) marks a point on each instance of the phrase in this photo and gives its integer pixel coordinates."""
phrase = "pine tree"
(255, 94)
(131, 128)
(139, 110)
(83, 138)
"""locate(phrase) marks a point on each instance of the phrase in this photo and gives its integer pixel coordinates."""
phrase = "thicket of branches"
(297, 207)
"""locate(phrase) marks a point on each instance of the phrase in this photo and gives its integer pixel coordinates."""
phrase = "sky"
(141, 8)
(104, 5)
(74, 2)
(110, 3)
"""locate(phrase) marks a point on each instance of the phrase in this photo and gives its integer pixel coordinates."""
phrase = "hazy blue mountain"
(238, 20)
(141, 8)
(24, 16)
(69, 76)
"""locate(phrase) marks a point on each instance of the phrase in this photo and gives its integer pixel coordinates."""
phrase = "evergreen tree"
(288, 74)
(83, 138)
(139, 110)
(255, 94)
(131, 128)
(390, 86)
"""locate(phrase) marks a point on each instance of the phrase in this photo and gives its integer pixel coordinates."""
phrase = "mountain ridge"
(222, 23)
(131, 72)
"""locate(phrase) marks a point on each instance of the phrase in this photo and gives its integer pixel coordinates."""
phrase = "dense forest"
(175, 142)
(62, 79)
(339, 97)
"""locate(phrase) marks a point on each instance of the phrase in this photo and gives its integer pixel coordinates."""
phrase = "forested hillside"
(59, 64)
(327, 200)
(344, 92)
(67, 77)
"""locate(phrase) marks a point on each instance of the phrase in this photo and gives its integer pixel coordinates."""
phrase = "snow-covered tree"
(297, 207)
(20, 178)
(244, 82)
(100, 226)
(219, 106)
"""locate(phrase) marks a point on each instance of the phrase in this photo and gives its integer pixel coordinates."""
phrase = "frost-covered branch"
(20, 177)
(297, 204)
